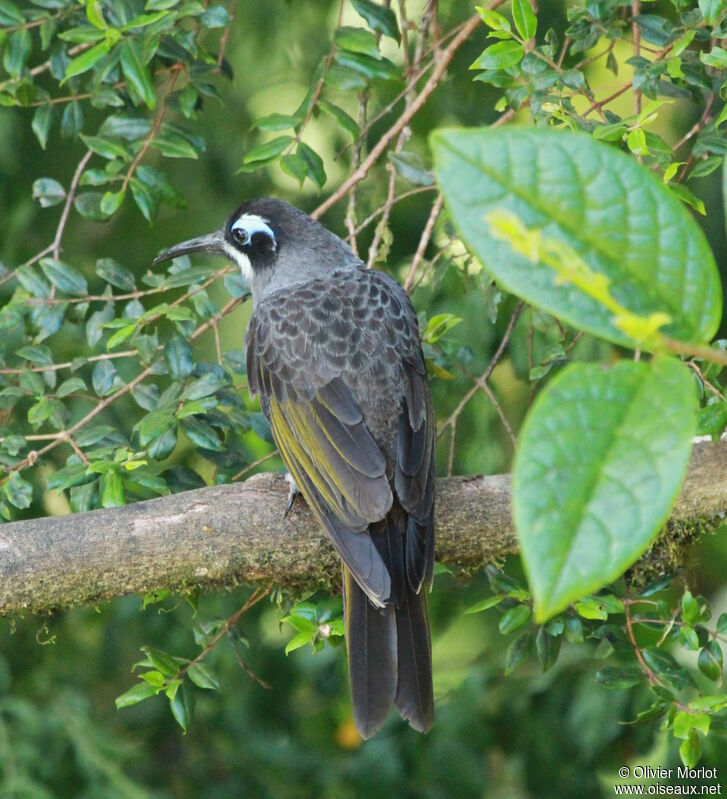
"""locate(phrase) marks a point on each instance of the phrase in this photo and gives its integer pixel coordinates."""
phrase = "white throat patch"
(242, 261)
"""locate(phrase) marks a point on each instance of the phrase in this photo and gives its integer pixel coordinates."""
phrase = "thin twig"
(423, 242)
(56, 246)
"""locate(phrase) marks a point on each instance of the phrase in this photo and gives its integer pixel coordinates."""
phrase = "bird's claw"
(293, 492)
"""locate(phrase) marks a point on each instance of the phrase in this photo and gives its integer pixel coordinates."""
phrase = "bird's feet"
(293, 492)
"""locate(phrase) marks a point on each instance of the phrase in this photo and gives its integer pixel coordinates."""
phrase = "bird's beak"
(212, 242)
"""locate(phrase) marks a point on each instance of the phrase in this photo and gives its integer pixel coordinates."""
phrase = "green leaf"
(64, 277)
(691, 750)
(710, 661)
(172, 145)
(19, 492)
(690, 608)
(165, 663)
(112, 490)
(514, 618)
(296, 166)
(548, 648)
(357, 40)
(525, 20)
(202, 677)
(711, 10)
(411, 167)
(215, 17)
(268, 151)
(178, 354)
(88, 206)
(687, 196)
(276, 122)
(42, 123)
(203, 386)
(685, 722)
(378, 18)
(485, 604)
(115, 274)
(136, 72)
(103, 378)
(182, 707)
(106, 147)
(36, 354)
(612, 213)
(518, 650)
(618, 678)
(144, 19)
(596, 473)
(70, 386)
(111, 201)
(502, 55)
(298, 641)
(136, 694)
(48, 192)
(87, 60)
(17, 52)
(316, 170)
(348, 123)
(146, 199)
(10, 14)
(201, 434)
(370, 68)
(492, 19)
(72, 120)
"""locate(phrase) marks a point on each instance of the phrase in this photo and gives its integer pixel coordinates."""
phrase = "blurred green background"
(527, 735)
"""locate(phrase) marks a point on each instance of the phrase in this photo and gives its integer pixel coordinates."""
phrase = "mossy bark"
(225, 535)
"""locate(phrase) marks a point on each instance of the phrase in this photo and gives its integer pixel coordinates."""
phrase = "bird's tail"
(389, 649)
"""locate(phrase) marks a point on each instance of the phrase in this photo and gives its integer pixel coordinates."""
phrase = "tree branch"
(225, 535)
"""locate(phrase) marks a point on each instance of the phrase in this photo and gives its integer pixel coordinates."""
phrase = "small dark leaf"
(72, 120)
(514, 618)
(378, 18)
(518, 651)
(316, 171)
(178, 355)
(136, 694)
(103, 377)
(617, 678)
(710, 661)
(137, 73)
(42, 123)
(182, 707)
(115, 274)
(201, 434)
(19, 492)
(48, 192)
(64, 277)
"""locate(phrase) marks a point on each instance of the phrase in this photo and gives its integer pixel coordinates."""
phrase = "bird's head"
(274, 244)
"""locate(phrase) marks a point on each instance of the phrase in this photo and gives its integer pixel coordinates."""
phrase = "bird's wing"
(320, 432)
(414, 478)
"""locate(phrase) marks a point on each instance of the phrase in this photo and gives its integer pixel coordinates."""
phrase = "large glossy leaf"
(601, 458)
(603, 205)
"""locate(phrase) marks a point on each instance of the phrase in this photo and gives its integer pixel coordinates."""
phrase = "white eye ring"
(247, 225)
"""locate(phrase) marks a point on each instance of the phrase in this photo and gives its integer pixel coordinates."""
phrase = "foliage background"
(556, 734)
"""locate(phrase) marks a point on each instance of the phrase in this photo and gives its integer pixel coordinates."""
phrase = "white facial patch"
(242, 261)
(253, 224)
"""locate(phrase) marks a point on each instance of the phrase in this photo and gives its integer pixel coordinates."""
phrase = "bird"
(334, 354)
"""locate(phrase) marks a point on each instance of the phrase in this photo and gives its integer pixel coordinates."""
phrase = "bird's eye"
(240, 235)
